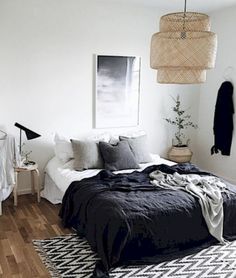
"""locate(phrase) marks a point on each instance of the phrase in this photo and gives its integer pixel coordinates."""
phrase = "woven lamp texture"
(181, 76)
(196, 51)
(191, 21)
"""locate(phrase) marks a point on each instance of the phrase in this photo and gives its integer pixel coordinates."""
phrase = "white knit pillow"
(63, 148)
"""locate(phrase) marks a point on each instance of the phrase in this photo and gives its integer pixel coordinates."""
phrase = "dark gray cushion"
(138, 146)
(87, 155)
(118, 157)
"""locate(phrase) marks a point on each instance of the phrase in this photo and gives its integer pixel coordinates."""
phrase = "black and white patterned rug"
(71, 256)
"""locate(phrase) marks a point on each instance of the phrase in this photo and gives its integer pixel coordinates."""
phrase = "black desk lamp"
(29, 133)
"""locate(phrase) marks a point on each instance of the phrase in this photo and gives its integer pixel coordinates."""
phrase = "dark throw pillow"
(138, 146)
(118, 157)
(87, 155)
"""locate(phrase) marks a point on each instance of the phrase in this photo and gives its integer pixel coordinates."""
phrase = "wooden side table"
(33, 169)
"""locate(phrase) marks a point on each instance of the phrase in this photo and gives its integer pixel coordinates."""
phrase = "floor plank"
(18, 227)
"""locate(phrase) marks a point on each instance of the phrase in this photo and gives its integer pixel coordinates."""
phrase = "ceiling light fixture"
(184, 48)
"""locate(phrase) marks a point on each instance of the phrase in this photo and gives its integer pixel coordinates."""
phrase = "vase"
(180, 154)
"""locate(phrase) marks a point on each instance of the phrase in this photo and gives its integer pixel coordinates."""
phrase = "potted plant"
(180, 151)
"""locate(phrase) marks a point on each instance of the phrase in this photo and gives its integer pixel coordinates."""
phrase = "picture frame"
(117, 91)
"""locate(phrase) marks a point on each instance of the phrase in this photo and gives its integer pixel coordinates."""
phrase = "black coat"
(223, 120)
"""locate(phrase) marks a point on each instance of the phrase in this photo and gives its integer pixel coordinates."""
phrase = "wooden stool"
(33, 169)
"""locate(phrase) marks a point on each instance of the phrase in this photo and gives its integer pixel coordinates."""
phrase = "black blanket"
(128, 220)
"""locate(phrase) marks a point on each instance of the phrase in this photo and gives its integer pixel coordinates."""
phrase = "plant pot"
(180, 154)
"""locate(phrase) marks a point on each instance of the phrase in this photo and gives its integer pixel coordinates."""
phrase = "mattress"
(60, 175)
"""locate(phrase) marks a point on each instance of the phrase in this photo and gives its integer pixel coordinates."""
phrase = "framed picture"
(117, 91)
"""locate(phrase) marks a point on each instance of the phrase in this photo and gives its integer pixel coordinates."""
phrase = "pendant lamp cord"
(183, 33)
(185, 9)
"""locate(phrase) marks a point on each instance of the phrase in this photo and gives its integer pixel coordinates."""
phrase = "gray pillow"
(138, 146)
(87, 155)
(118, 157)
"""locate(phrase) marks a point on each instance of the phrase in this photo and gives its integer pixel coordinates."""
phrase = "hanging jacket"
(223, 119)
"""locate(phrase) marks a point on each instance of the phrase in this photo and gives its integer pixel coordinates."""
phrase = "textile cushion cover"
(138, 146)
(118, 157)
(63, 149)
(86, 155)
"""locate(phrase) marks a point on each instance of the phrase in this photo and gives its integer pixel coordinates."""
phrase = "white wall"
(223, 23)
(46, 68)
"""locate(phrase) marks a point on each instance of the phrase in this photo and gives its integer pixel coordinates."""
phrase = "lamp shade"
(190, 21)
(29, 133)
(181, 76)
(197, 50)
(184, 48)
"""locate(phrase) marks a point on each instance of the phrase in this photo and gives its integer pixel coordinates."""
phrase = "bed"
(125, 220)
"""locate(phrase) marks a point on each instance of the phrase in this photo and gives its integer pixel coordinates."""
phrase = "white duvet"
(64, 174)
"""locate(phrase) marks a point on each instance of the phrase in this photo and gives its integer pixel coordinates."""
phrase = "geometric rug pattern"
(71, 256)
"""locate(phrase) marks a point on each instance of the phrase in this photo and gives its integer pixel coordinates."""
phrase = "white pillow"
(63, 148)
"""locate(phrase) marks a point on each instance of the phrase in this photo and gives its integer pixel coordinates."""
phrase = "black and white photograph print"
(117, 91)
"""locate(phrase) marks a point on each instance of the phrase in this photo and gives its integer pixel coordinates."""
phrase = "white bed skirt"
(51, 192)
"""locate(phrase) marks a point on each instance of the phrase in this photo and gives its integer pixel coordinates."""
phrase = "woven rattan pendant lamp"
(184, 48)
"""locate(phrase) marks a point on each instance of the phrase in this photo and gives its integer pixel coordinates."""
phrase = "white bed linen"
(51, 192)
(64, 174)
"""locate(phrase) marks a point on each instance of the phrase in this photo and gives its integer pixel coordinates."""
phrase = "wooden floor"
(18, 227)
